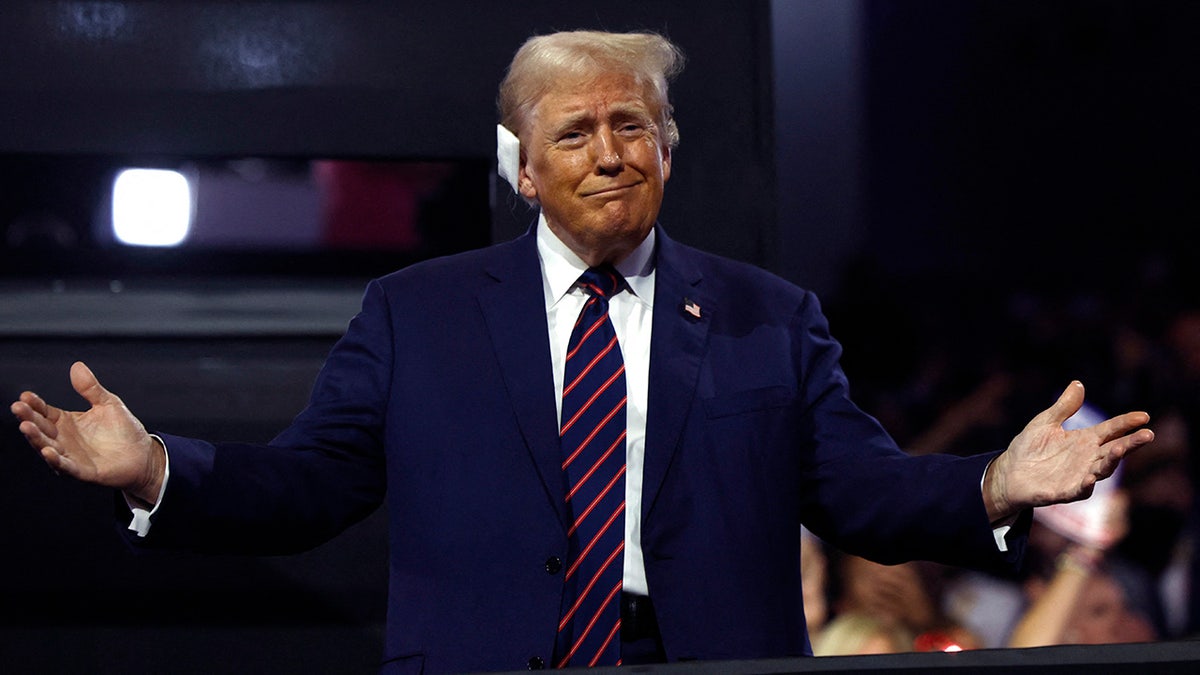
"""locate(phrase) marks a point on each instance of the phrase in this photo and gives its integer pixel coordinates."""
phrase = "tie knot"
(603, 281)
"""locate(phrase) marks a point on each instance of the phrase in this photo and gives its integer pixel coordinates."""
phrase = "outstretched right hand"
(105, 444)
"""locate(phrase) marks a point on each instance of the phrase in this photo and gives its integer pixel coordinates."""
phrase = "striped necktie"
(592, 436)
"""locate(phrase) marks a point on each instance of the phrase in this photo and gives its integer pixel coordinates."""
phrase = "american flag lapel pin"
(691, 308)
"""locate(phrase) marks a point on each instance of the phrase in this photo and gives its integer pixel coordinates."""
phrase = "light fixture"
(151, 207)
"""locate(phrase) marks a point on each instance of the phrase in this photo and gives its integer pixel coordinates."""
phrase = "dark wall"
(1042, 144)
(1053, 138)
(376, 79)
(818, 59)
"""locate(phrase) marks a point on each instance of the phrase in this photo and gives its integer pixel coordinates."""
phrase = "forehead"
(573, 96)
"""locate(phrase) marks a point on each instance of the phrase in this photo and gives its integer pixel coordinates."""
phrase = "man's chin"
(611, 242)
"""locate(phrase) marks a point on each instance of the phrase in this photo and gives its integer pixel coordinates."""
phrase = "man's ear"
(666, 162)
(524, 180)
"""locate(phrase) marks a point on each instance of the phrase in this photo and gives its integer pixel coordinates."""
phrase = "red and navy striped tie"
(592, 435)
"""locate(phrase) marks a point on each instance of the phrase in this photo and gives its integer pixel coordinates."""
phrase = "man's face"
(593, 155)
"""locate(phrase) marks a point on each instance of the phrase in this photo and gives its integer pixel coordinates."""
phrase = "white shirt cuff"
(141, 517)
(1000, 532)
(1000, 529)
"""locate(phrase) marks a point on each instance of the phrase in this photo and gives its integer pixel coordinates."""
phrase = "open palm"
(105, 444)
(1046, 464)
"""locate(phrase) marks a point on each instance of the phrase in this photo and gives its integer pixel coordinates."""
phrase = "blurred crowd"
(1124, 568)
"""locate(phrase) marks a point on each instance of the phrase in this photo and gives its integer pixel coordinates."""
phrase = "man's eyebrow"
(623, 110)
(572, 120)
(630, 109)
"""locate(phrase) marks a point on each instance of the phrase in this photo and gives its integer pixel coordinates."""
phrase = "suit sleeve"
(865, 495)
(321, 475)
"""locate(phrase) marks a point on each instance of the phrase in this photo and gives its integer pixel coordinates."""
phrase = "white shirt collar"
(561, 267)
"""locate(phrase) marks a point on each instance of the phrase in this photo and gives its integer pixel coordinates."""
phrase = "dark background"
(919, 164)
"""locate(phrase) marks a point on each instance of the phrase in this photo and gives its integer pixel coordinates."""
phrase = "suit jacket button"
(536, 663)
(553, 564)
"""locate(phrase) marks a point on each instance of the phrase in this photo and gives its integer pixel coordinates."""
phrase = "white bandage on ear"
(508, 156)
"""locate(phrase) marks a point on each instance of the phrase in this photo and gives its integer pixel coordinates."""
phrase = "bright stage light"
(151, 207)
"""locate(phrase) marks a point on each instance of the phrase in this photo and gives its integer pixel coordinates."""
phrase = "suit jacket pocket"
(750, 400)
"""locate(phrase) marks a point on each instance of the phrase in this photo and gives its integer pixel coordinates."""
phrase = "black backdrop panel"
(376, 79)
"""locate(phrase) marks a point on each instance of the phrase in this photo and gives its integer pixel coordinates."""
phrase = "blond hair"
(856, 633)
(650, 58)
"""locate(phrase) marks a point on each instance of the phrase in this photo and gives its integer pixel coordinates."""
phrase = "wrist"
(995, 494)
(147, 494)
(1079, 559)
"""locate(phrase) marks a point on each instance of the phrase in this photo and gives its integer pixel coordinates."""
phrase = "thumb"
(1068, 403)
(84, 381)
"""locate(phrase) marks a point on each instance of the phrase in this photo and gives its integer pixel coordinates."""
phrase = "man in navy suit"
(444, 398)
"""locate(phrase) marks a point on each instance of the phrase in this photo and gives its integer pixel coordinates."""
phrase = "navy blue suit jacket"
(440, 400)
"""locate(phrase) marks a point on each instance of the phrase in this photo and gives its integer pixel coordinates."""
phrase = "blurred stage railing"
(1161, 658)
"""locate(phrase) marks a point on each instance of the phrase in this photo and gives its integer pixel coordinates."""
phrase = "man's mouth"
(609, 190)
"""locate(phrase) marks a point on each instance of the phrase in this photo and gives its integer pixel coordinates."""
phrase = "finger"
(1086, 488)
(1106, 467)
(34, 410)
(1116, 427)
(57, 463)
(34, 436)
(22, 410)
(88, 386)
(1124, 445)
(1068, 404)
(36, 404)
(1115, 451)
(46, 427)
(67, 465)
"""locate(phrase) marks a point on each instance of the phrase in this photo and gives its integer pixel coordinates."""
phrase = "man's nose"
(608, 153)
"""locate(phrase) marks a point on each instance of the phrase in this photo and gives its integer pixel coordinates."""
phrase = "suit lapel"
(515, 312)
(677, 346)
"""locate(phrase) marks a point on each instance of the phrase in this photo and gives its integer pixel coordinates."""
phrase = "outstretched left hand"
(1046, 464)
